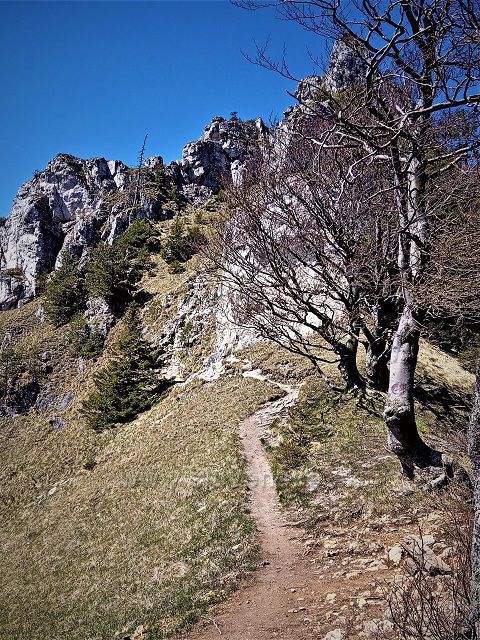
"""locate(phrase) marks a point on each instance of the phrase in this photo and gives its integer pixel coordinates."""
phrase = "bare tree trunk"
(403, 437)
(404, 441)
(474, 452)
(348, 363)
(377, 353)
(376, 364)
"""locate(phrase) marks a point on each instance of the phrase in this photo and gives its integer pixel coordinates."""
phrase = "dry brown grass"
(331, 457)
(152, 534)
(142, 524)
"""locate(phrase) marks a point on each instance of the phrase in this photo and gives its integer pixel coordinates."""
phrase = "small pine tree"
(64, 291)
(107, 274)
(165, 186)
(17, 363)
(116, 269)
(173, 248)
(83, 341)
(182, 240)
(93, 345)
(128, 384)
(139, 235)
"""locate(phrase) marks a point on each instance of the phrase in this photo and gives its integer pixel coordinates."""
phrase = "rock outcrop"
(224, 145)
(73, 203)
(62, 207)
(346, 68)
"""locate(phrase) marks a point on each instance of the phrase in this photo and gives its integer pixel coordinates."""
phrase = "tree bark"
(415, 456)
(474, 452)
(403, 437)
(348, 364)
(376, 364)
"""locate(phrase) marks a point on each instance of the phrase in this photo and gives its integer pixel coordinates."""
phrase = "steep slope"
(145, 523)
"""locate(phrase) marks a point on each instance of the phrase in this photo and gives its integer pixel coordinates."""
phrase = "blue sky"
(91, 78)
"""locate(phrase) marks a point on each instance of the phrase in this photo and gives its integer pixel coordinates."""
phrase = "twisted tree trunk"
(347, 365)
(376, 365)
(403, 437)
(377, 356)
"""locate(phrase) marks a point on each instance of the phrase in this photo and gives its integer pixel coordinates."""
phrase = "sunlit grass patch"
(330, 456)
(151, 534)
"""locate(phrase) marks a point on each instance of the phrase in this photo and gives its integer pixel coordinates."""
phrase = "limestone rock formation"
(62, 207)
(224, 142)
(73, 203)
(347, 67)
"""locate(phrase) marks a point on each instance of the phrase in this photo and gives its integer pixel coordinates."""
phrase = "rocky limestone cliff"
(222, 149)
(74, 203)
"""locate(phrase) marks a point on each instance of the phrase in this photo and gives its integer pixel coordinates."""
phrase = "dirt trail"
(276, 605)
(330, 585)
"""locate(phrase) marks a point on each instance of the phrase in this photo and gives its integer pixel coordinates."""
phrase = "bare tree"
(415, 111)
(136, 194)
(310, 265)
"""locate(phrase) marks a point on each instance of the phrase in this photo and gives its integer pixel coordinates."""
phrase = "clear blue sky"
(91, 78)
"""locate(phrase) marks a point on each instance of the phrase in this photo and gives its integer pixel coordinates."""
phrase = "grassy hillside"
(152, 533)
(147, 524)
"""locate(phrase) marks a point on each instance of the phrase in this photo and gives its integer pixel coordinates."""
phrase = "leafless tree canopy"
(412, 116)
(306, 255)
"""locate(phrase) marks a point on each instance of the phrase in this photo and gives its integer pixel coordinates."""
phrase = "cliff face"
(74, 203)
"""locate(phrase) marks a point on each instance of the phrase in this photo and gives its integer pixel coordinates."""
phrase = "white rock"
(395, 554)
(336, 634)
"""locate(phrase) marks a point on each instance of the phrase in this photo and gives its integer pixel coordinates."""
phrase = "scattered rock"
(99, 316)
(395, 554)
(352, 574)
(44, 403)
(336, 634)
(64, 401)
(375, 627)
(377, 565)
(140, 633)
(313, 483)
(57, 423)
(424, 557)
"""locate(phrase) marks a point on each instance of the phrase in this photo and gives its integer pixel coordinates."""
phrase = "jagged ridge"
(74, 203)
